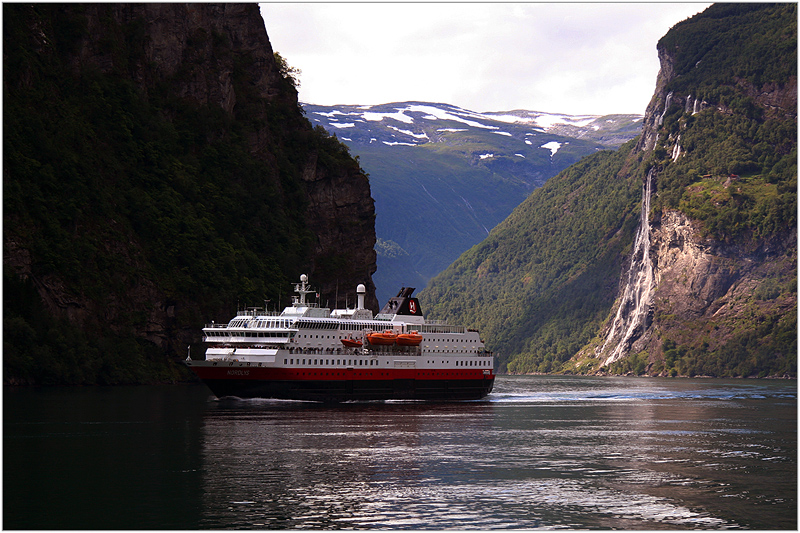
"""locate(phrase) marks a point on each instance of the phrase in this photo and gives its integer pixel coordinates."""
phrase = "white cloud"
(558, 57)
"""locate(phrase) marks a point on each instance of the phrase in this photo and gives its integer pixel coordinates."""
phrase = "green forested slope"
(741, 61)
(542, 286)
(542, 282)
(119, 200)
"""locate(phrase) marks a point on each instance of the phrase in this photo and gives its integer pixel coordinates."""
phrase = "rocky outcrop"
(659, 103)
(705, 291)
(194, 41)
(197, 49)
(209, 59)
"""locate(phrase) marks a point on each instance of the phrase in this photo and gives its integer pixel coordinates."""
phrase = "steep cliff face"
(675, 255)
(705, 293)
(197, 50)
(159, 170)
(721, 295)
(185, 40)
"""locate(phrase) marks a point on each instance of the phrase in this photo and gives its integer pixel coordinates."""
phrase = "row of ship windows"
(355, 326)
(347, 362)
(247, 323)
(341, 337)
(374, 362)
(279, 335)
(248, 334)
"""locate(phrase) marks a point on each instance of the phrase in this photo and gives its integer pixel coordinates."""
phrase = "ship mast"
(302, 289)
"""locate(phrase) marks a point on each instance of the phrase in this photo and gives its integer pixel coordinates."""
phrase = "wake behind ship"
(314, 353)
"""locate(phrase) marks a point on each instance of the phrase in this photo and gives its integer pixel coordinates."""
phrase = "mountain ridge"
(443, 176)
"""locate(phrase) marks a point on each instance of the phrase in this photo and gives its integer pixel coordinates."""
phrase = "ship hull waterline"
(344, 385)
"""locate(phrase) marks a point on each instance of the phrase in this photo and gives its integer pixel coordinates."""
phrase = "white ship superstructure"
(315, 353)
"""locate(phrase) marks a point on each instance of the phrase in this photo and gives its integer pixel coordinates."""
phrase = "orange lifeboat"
(386, 338)
(351, 343)
(412, 338)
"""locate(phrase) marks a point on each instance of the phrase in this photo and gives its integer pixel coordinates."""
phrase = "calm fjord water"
(542, 452)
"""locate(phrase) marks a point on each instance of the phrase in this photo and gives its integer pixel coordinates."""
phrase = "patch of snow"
(329, 115)
(398, 116)
(520, 155)
(553, 146)
(502, 133)
(548, 121)
(486, 156)
(512, 119)
(398, 144)
(441, 114)
(343, 125)
(452, 129)
(422, 135)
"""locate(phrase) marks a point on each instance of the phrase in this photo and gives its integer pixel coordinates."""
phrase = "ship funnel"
(361, 290)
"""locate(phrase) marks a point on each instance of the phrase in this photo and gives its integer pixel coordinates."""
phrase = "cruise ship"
(312, 353)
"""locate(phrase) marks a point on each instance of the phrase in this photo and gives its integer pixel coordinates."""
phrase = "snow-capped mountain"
(442, 176)
(416, 123)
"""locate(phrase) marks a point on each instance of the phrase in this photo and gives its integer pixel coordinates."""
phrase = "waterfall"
(666, 107)
(676, 150)
(631, 319)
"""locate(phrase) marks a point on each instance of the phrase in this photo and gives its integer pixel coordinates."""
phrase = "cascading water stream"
(634, 307)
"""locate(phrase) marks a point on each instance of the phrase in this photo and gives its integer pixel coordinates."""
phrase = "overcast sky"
(575, 58)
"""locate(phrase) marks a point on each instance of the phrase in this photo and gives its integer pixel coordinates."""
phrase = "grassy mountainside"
(542, 282)
(721, 136)
(141, 202)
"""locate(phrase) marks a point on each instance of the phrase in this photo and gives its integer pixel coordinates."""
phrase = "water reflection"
(301, 465)
(542, 453)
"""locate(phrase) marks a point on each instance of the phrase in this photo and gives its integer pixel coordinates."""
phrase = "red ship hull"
(342, 385)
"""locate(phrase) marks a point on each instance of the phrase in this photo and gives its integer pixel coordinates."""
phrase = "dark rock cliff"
(158, 170)
(721, 296)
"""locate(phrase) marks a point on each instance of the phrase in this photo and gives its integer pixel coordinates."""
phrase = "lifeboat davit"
(352, 343)
(409, 339)
(386, 338)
